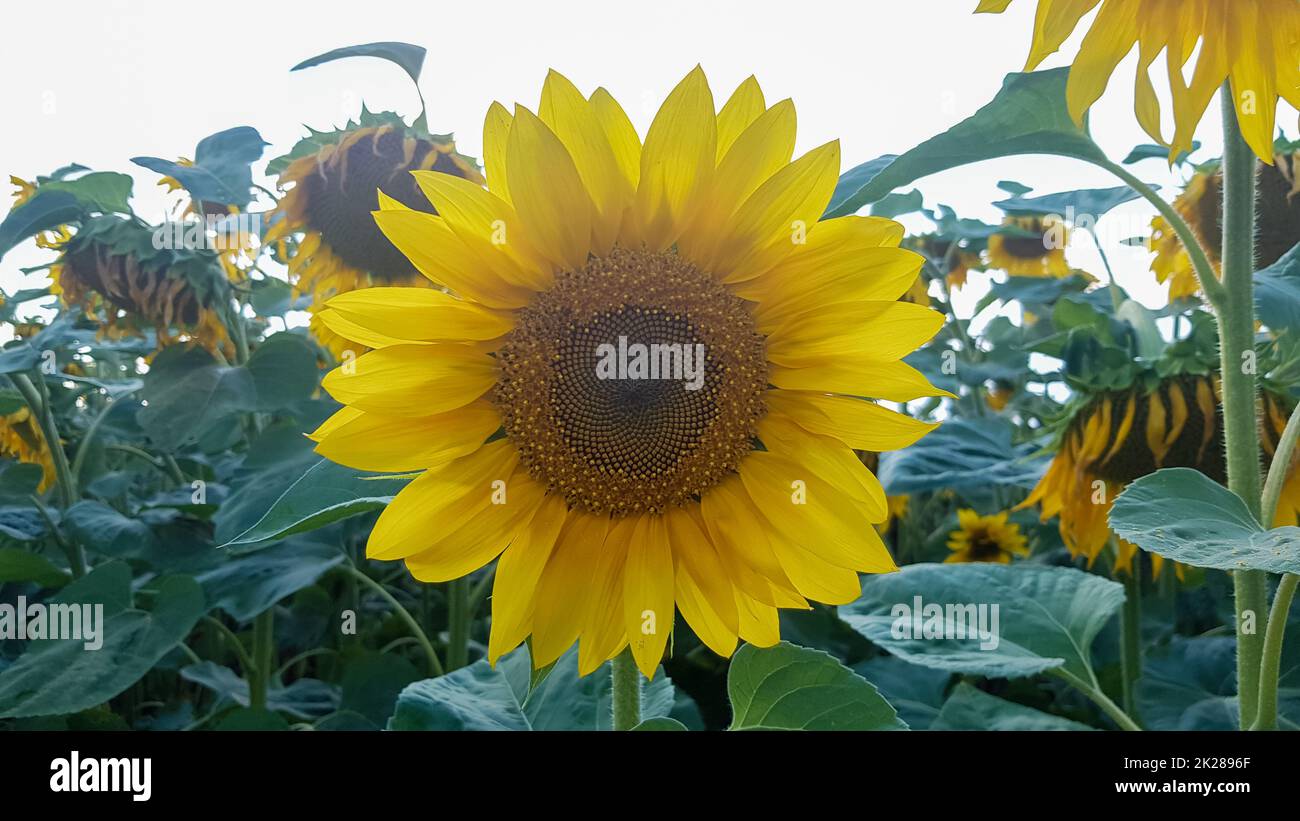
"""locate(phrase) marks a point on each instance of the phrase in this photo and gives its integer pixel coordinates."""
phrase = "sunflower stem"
(1131, 637)
(1236, 315)
(626, 690)
(1275, 633)
(458, 623)
(37, 397)
(263, 658)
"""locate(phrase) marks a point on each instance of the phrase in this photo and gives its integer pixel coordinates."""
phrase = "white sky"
(104, 81)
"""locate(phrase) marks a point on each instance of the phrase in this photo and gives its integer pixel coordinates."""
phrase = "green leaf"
(284, 371)
(1151, 151)
(220, 173)
(1093, 202)
(62, 676)
(187, 393)
(409, 57)
(916, 692)
(46, 210)
(105, 531)
(304, 698)
(1028, 116)
(23, 524)
(1277, 292)
(246, 719)
(1184, 515)
(670, 724)
(18, 565)
(372, 682)
(476, 697)
(1046, 617)
(1190, 684)
(107, 192)
(324, 494)
(248, 584)
(971, 709)
(962, 454)
(563, 700)
(795, 688)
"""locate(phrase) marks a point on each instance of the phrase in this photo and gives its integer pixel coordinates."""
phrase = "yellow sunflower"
(986, 539)
(21, 439)
(332, 179)
(1033, 246)
(613, 502)
(1000, 395)
(235, 242)
(1251, 43)
(1116, 437)
(1200, 204)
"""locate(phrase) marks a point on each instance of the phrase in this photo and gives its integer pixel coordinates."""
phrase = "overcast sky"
(104, 81)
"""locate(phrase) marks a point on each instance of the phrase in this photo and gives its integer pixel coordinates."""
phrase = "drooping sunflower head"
(332, 180)
(1030, 246)
(21, 439)
(960, 260)
(641, 387)
(112, 270)
(1251, 43)
(989, 538)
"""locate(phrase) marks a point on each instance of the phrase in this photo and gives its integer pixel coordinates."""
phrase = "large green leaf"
(107, 192)
(220, 173)
(971, 709)
(303, 698)
(187, 392)
(43, 212)
(796, 688)
(476, 697)
(62, 676)
(18, 565)
(1184, 515)
(105, 531)
(325, 493)
(1036, 619)
(248, 584)
(1028, 116)
(1090, 202)
(284, 371)
(563, 700)
(1277, 292)
(916, 692)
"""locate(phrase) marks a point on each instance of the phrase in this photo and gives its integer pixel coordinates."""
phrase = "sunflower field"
(644, 420)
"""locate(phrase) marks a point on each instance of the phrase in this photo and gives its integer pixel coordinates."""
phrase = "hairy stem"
(627, 690)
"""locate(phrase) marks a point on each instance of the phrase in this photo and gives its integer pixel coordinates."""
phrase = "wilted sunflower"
(1252, 43)
(1032, 246)
(986, 539)
(630, 497)
(1201, 205)
(111, 269)
(1116, 437)
(21, 439)
(332, 179)
(234, 242)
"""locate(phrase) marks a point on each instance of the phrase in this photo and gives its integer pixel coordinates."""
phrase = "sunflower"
(1118, 436)
(111, 269)
(1031, 246)
(1251, 43)
(986, 539)
(234, 243)
(1200, 204)
(896, 506)
(1000, 395)
(937, 248)
(614, 502)
(21, 439)
(332, 179)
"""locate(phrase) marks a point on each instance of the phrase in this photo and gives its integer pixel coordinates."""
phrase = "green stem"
(1116, 298)
(37, 397)
(1236, 315)
(83, 447)
(1271, 660)
(1200, 261)
(263, 658)
(245, 661)
(1131, 637)
(1094, 693)
(626, 690)
(435, 666)
(458, 623)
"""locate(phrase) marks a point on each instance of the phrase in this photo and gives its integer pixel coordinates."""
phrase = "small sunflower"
(332, 179)
(21, 439)
(937, 248)
(1116, 437)
(1000, 395)
(1200, 204)
(612, 503)
(1031, 246)
(111, 269)
(986, 539)
(1251, 43)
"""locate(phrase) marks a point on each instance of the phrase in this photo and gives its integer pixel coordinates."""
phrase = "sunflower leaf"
(1028, 116)
(971, 709)
(1001, 621)
(477, 697)
(409, 57)
(1277, 292)
(1184, 515)
(785, 687)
